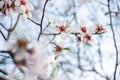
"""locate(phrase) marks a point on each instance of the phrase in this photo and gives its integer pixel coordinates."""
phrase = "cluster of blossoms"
(9, 7)
(87, 32)
(33, 56)
(84, 33)
(30, 58)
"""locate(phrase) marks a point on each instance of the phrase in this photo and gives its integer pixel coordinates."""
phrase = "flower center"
(23, 2)
(27, 11)
(58, 48)
(99, 28)
(83, 29)
(87, 37)
(62, 28)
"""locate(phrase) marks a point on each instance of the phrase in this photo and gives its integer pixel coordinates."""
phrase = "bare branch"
(65, 72)
(33, 21)
(41, 23)
(3, 35)
(3, 26)
(114, 39)
(101, 2)
(14, 26)
(4, 51)
(3, 72)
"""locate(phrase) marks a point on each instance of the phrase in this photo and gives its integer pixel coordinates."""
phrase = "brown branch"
(114, 12)
(114, 39)
(14, 26)
(12, 57)
(3, 72)
(4, 56)
(78, 55)
(58, 33)
(62, 68)
(101, 2)
(100, 53)
(3, 35)
(95, 71)
(46, 27)
(51, 34)
(41, 23)
(4, 51)
(3, 26)
(33, 21)
(52, 39)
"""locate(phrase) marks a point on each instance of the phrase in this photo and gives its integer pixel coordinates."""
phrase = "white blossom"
(8, 8)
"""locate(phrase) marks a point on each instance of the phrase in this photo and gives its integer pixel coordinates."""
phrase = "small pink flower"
(84, 38)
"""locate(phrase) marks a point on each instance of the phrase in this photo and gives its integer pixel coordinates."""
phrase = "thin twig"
(3, 35)
(3, 26)
(65, 72)
(41, 23)
(33, 21)
(114, 39)
(101, 2)
(2, 71)
(4, 51)
(100, 53)
(51, 34)
(46, 27)
(14, 26)
(78, 55)
(52, 39)
(4, 56)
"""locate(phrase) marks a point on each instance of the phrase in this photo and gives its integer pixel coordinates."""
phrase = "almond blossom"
(9, 7)
(37, 59)
(87, 29)
(85, 33)
(24, 7)
(32, 59)
(18, 48)
(62, 28)
(100, 29)
(58, 48)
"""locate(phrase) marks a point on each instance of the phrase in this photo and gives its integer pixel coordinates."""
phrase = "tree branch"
(4, 51)
(114, 39)
(41, 23)
(3, 72)
(3, 26)
(3, 35)
(65, 72)
(33, 21)
(14, 26)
